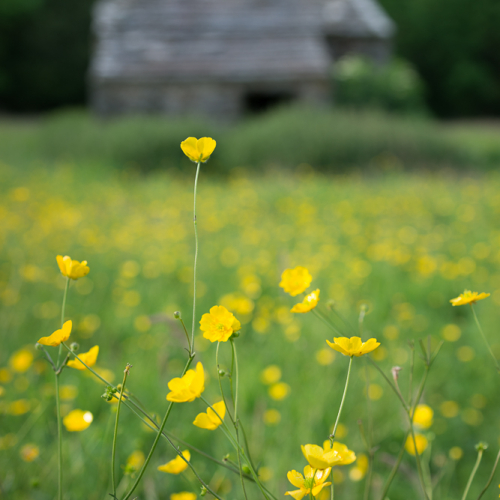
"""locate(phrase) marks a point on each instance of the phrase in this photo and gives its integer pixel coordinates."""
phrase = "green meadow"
(391, 215)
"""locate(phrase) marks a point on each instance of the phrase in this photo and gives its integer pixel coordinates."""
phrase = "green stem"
(394, 470)
(59, 441)
(157, 438)
(187, 335)
(484, 338)
(239, 449)
(63, 310)
(220, 383)
(236, 422)
(195, 255)
(392, 386)
(473, 473)
(490, 478)
(327, 322)
(115, 434)
(332, 436)
(332, 496)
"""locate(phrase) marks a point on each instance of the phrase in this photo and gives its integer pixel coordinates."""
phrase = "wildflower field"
(385, 253)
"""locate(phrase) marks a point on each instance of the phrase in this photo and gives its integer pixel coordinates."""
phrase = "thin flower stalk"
(332, 436)
(195, 256)
(115, 434)
(480, 452)
(395, 468)
(483, 491)
(484, 338)
(157, 438)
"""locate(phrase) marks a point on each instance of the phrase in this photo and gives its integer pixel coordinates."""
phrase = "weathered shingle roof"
(224, 40)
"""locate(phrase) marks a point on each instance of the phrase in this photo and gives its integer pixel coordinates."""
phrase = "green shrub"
(395, 87)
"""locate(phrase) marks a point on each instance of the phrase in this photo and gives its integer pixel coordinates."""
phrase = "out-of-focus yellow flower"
(421, 442)
(295, 281)
(358, 472)
(58, 336)
(29, 452)
(177, 465)
(219, 324)
(89, 358)
(456, 453)
(449, 409)
(5, 375)
(270, 375)
(307, 483)
(77, 420)
(187, 388)
(198, 150)
(423, 416)
(68, 392)
(279, 391)
(183, 495)
(321, 458)
(72, 268)
(19, 407)
(468, 297)
(272, 417)
(309, 303)
(135, 461)
(347, 455)
(353, 346)
(210, 420)
(21, 360)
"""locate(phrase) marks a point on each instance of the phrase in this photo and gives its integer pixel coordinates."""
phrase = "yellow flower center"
(220, 327)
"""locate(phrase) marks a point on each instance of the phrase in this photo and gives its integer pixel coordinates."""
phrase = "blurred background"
(359, 139)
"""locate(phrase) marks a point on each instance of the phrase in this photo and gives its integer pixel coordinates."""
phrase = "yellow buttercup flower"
(187, 388)
(468, 297)
(320, 458)
(308, 483)
(177, 465)
(72, 268)
(21, 360)
(210, 420)
(347, 455)
(219, 324)
(295, 281)
(89, 358)
(353, 346)
(58, 336)
(423, 416)
(135, 461)
(309, 303)
(77, 420)
(421, 442)
(183, 495)
(198, 150)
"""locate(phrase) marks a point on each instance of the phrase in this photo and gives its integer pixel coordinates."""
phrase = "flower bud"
(74, 346)
(246, 469)
(222, 372)
(395, 372)
(235, 335)
(481, 446)
(38, 346)
(203, 491)
(330, 304)
(177, 315)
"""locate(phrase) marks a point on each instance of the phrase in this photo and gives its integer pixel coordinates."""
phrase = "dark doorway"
(258, 102)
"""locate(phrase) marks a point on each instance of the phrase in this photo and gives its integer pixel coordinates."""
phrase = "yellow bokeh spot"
(265, 474)
(21, 360)
(391, 332)
(29, 452)
(449, 409)
(375, 392)
(325, 356)
(379, 354)
(456, 453)
(5, 375)
(142, 323)
(272, 417)
(19, 407)
(270, 375)
(451, 332)
(465, 354)
(279, 391)
(472, 417)
(68, 392)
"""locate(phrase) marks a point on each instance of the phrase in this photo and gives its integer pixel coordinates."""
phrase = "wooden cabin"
(225, 58)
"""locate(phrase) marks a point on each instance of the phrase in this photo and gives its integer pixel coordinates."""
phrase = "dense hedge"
(45, 46)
